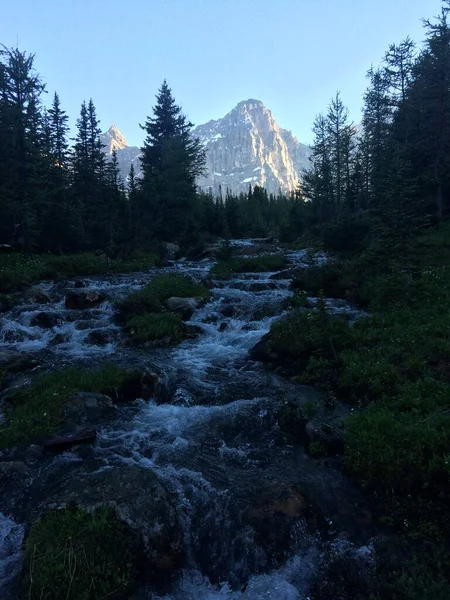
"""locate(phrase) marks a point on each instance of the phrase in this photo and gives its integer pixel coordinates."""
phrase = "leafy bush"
(258, 264)
(156, 327)
(36, 410)
(77, 555)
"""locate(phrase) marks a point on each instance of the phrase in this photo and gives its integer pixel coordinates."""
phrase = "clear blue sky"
(291, 54)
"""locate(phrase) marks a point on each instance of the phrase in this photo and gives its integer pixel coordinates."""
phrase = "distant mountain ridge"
(246, 147)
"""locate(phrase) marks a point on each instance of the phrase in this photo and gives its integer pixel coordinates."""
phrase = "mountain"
(113, 139)
(246, 147)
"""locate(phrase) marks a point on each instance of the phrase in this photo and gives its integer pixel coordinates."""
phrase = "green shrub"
(154, 327)
(259, 264)
(77, 555)
(36, 410)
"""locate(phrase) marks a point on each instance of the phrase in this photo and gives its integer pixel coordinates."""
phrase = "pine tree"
(341, 139)
(21, 88)
(171, 160)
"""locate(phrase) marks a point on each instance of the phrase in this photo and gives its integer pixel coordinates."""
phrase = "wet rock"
(37, 295)
(261, 286)
(193, 331)
(155, 385)
(228, 310)
(45, 320)
(59, 338)
(78, 284)
(86, 409)
(262, 351)
(286, 274)
(208, 283)
(275, 517)
(171, 250)
(10, 470)
(84, 300)
(15, 362)
(329, 434)
(62, 443)
(182, 306)
(98, 338)
(11, 335)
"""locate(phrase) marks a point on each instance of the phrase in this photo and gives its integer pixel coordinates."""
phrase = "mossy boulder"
(39, 411)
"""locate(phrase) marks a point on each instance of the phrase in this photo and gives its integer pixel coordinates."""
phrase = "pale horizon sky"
(293, 54)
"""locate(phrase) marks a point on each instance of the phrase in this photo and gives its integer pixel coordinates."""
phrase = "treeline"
(395, 167)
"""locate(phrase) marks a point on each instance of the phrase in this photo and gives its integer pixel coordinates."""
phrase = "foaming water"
(11, 536)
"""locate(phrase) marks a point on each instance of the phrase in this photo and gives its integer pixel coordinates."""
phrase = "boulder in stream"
(98, 338)
(84, 300)
(182, 306)
(36, 295)
(275, 517)
(140, 498)
(45, 320)
(86, 409)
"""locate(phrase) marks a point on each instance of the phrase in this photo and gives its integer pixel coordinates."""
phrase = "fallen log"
(59, 444)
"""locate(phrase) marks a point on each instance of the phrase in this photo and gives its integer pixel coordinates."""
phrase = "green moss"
(18, 270)
(151, 298)
(260, 264)
(76, 555)
(154, 327)
(36, 410)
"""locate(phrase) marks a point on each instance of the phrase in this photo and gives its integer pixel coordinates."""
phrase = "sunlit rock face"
(113, 139)
(246, 147)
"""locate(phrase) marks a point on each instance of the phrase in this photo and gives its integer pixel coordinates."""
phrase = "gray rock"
(182, 306)
(84, 300)
(171, 250)
(45, 320)
(141, 500)
(37, 295)
(97, 338)
(86, 409)
(15, 361)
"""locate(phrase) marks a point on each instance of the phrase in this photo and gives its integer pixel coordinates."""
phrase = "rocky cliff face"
(246, 147)
(113, 139)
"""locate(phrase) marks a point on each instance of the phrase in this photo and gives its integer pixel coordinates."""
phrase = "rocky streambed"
(228, 503)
